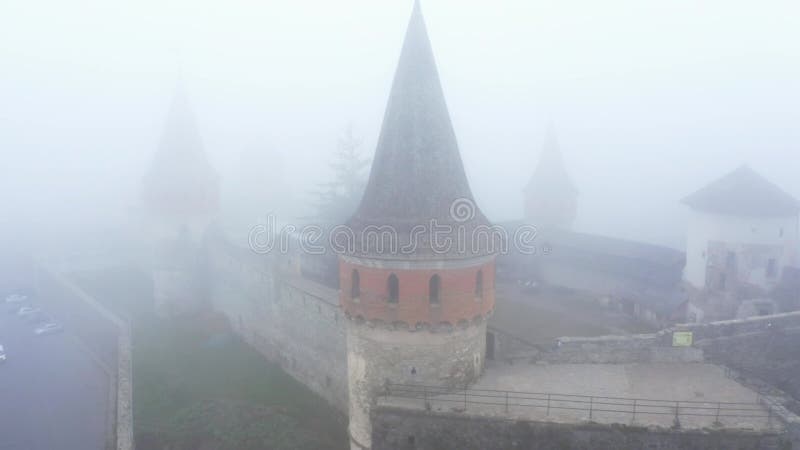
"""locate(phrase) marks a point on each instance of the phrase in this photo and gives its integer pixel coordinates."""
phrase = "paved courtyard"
(643, 394)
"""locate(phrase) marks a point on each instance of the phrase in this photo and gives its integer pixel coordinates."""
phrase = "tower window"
(479, 284)
(731, 260)
(355, 285)
(772, 268)
(434, 286)
(394, 289)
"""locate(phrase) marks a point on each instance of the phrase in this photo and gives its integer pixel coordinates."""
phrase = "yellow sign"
(682, 339)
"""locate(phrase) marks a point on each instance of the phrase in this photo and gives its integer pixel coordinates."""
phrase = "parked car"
(2, 354)
(529, 286)
(16, 298)
(38, 317)
(14, 301)
(28, 310)
(48, 328)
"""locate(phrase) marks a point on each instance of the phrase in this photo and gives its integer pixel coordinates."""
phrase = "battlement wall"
(105, 336)
(292, 321)
(710, 342)
(298, 324)
(398, 428)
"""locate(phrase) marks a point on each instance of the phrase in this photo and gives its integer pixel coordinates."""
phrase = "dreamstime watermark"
(460, 235)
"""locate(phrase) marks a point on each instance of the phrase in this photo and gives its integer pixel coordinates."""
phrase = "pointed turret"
(551, 196)
(417, 173)
(180, 181)
(413, 307)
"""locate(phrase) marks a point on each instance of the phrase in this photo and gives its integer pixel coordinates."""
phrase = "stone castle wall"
(753, 344)
(102, 333)
(402, 429)
(766, 348)
(291, 320)
(298, 323)
(645, 348)
(377, 355)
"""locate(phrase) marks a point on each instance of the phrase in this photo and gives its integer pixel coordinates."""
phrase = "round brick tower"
(415, 286)
(180, 199)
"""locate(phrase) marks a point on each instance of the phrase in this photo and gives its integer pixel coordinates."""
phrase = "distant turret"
(551, 198)
(180, 199)
(181, 183)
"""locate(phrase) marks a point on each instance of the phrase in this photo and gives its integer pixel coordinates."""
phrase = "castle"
(405, 305)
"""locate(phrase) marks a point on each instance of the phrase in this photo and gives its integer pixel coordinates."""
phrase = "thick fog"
(650, 100)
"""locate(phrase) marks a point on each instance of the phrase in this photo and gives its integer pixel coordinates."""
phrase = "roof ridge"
(745, 192)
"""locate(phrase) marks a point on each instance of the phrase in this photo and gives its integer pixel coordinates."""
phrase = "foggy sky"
(651, 100)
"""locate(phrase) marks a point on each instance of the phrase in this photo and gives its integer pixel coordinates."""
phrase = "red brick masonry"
(459, 299)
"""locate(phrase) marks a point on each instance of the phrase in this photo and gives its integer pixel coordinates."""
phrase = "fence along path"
(572, 407)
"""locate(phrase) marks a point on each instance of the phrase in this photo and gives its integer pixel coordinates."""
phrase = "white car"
(28, 310)
(48, 328)
(16, 298)
(2, 354)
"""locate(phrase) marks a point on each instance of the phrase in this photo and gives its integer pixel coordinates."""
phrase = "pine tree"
(339, 198)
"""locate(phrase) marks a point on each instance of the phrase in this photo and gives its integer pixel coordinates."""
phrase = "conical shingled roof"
(744, 192)
(417, 174)
(181, 181)
(551, 198)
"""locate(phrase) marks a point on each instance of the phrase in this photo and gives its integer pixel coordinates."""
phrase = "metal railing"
(770, 397)
(462, 399)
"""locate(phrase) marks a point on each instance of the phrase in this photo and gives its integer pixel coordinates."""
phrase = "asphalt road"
(53, 394)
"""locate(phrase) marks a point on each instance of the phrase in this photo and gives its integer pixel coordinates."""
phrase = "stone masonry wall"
(106, 336)
(298, 324)
(291, 320)
(653, 348)
(377, 355)
(509, 347)
(401, 429)
(766, 346)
